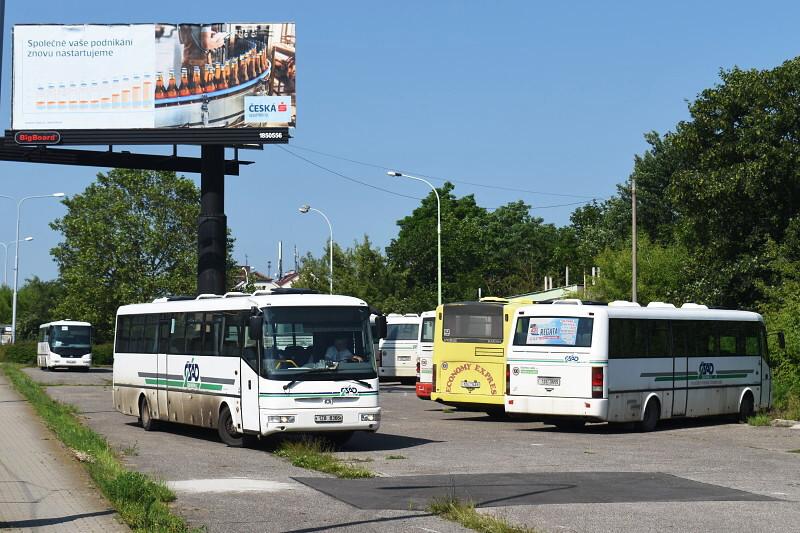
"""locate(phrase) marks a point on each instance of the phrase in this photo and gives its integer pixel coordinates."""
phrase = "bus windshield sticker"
(556, 331)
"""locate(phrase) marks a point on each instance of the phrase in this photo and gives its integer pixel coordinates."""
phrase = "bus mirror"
(254, 327)
(781, 340)
(380, 326)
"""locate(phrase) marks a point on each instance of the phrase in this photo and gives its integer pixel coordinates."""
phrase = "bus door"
(166, 327)
(680, 366)
(248, 372)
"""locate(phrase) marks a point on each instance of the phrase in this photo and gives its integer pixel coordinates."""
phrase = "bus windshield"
(478, 322)
(402, 332)
(317, 343)
(67, 338)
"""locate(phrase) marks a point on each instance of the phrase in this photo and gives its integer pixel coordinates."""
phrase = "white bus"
(425, 355)
(398, 351)
(278, 361)
(64, 344)
(570, 363)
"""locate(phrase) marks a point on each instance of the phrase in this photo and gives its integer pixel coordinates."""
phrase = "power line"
(359, 182)
(474, 184)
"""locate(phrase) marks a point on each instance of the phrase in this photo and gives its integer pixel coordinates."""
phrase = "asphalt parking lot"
(687, 476)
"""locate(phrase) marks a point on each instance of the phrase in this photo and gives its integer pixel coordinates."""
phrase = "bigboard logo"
(261, 109)
(37, 137)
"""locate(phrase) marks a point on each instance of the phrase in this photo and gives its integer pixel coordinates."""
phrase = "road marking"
(236, 484)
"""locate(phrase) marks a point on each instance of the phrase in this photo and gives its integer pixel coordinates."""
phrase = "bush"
(22, 352)
(103, 354)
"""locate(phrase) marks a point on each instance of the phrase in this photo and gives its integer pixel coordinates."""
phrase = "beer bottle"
(210, 86)
(161, 92)
(234, 78)
(251, 64)
(226, 73)
(219, 78)
(172, 88)
(184, 90)
(197, 81)
(243, 77)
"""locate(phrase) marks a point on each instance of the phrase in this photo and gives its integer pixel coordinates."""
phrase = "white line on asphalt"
(236, 484)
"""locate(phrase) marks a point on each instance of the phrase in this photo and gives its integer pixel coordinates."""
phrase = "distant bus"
(469, 354)
(398, 351)
(64, 344)
(569, 363)
(425, 354)
(286, 361)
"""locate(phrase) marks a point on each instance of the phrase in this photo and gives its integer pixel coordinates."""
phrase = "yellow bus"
(469, 358)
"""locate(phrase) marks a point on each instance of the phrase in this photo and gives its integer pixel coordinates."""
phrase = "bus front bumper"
(333, 419)
(70, 362)
(595, 409)
(424, 390)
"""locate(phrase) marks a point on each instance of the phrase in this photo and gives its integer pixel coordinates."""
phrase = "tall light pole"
(633, 238)
(16, 262)
(305, 209)
(438, 228)
(5, 258)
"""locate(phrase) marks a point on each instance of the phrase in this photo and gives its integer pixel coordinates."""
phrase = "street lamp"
(438, 227)
(5, 258)
(16, 263)
(305, 209)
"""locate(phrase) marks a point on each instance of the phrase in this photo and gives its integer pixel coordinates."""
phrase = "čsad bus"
(285, 360)
(570, 363)
(469, 354)
(425, 354)
(65, 344)
(398, 351)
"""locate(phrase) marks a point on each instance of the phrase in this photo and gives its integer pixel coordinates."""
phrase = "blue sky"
(543, 96)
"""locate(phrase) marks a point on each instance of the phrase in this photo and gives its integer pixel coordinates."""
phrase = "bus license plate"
(404, 358)
(548, 382)
(328, 419)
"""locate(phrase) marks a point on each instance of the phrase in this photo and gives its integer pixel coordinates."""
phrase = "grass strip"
(465, 514)
(140, 501)
(314, 454)
(761, 419)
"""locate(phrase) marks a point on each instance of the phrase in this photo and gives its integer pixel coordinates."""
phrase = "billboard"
(154, 77)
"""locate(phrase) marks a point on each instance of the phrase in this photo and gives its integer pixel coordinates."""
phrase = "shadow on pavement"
(41, 522)
(377, 442)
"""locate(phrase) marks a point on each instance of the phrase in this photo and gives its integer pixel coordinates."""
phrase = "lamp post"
(5, 258)
(16, 262)
(633, 239)
(438, 228)
(305, 209)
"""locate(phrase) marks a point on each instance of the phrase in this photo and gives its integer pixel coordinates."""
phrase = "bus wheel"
(227, 429)
(746, 408)
(569, 424)
(651, 415)
(145, 419)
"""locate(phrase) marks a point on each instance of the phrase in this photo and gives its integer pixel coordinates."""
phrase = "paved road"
(419, 437)
(43, 488)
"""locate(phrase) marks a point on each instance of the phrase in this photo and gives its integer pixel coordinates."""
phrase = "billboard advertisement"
(154, 76)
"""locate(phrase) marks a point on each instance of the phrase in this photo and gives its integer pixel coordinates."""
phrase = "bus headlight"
(280, 419)
(370, 417)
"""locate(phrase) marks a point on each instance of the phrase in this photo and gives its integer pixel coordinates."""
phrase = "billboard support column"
(212, 224)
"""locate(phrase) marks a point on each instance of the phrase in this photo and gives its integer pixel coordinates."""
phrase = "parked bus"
(469, 354)
(285, 360)
(425, 354)
(398, 351)
(570, 363)
(64, 344)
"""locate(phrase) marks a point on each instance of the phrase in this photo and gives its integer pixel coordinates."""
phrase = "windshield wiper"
(367, 384)
(330, 366)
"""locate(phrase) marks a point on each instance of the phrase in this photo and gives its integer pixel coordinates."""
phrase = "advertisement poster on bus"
(145, 76)
(552, 331)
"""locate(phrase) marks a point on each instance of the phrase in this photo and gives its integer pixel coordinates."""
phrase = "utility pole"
(633, 239)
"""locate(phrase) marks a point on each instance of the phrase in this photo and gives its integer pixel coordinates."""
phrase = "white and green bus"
(64, 344)
(276, 361)
(570, 363)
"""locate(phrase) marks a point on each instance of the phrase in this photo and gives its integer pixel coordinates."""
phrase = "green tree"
(129, 237)
(5, 304)
(37, 303)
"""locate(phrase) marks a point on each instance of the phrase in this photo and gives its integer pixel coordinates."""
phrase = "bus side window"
(177, 340)
(136, 343)
(123, 334)
(728, 331)
(751, 338)
(213, 334)
(42, 334)
(703, 340)
(680, 338)
(659, 339)
(150, 337)
(232, 334)
(520, 331)
(194, 333)
(164, 327)
(250, 352)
